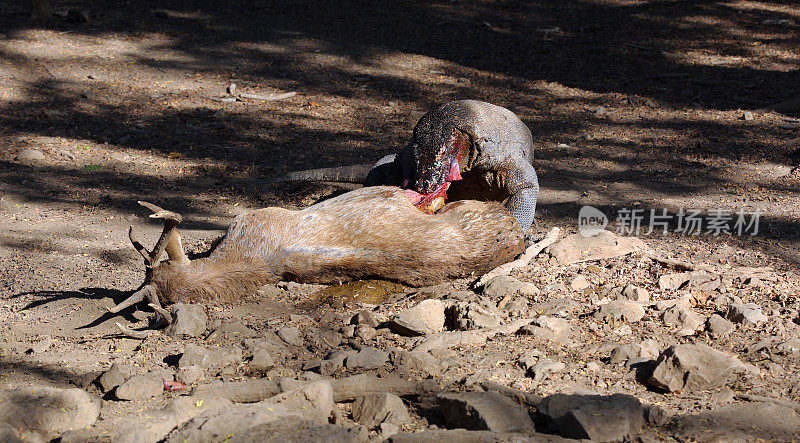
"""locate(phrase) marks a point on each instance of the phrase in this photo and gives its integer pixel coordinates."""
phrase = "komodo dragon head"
(441, 152)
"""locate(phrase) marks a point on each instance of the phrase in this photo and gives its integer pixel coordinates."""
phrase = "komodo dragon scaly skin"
(484, 151)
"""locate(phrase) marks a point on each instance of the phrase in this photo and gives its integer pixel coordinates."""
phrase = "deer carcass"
(373, 232)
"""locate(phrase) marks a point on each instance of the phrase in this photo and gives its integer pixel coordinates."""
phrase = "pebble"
(30, 156)
(290, 335)
(427, 317)
(626, 310)
(579, 283)
(746, 314)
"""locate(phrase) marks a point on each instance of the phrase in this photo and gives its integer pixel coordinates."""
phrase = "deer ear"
(174, 248)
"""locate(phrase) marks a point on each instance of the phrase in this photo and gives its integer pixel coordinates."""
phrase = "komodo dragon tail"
(342, 174)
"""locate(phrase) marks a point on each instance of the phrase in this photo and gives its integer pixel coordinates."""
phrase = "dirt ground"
(659, 104)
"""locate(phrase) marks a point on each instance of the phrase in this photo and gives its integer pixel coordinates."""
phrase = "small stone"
(747, 116)
(592, 366)
(189, 375)
(468, 315)
(30, 156)
(684, 319)
(718, 326)
(388, 429)
(484, 411)
(419, 363)
(188, 320)
(503, 286)
(373, 410)
(635, 293)
(747, 314)
(365, 318)
(605, 244)
(617, 417)
(290, 335)
(626, 310)
(623, 353)
(671, 282)
(791, 346)
(695, 367)
(365, 332)
(579, 283)
(367, 358)
(115, 376)
(544, 368)
(724, 395)
(334, 362)
(427, 317)
(143, 386)
(231, 88)
(261, 361)
(41, 346)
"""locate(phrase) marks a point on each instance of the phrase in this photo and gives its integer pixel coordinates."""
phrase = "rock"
(143, 386)
(30, 156)
(576, 248)
(650, 348)
(115, 376)
(41, 346)
(388, 429)
(365, 318)
(48, 410)
(559, 307)
(516, 308)
(295, 429)
(365, 332)
(695, 367)
(724, 395)
(334, 362)
(484, 411)
(746, 314)
(579, 283)
(290, 335)
(261, 361)
(747, 116)
(232, 331)
(314, 400)
(416, 362)
(684, 302)
(617, 417)
(530, 358)
(367, 358)
(209, 358)
(592, 366)
(635, 293)
(545, 367)
(189, 375)
(149, 425)
(373, 410)
(503, 286)
(9, 434)
(718, 326)
(549, 328)
(623, 353)
(791, 346)
(626, 310)
(427, 317)
(739, 422)
(671, 282)
(188, 320)
(469, 315)
(466, 436)
(684, 319)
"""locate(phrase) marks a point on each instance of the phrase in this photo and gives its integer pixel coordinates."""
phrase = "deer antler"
(170, 241)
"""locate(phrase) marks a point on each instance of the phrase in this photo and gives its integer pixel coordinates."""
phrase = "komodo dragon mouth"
(435, 174)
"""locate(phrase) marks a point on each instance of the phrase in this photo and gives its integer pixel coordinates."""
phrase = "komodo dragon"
(485, 148)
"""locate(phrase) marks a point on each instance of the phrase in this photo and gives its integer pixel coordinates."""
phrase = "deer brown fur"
(373, 232)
